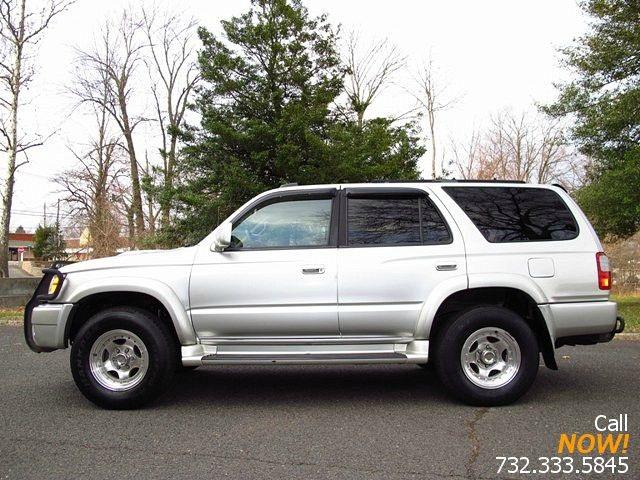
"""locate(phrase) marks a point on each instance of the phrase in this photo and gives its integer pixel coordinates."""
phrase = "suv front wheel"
(122, 357)
(487, 356)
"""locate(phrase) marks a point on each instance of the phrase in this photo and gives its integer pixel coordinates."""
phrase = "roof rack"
(430, 180)
(444, 180)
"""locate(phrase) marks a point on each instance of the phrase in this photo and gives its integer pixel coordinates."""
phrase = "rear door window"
(385, 220)
(516, 214)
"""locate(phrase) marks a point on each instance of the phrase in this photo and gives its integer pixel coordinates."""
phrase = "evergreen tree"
(269, 84)
(603, 100)
(48, 243)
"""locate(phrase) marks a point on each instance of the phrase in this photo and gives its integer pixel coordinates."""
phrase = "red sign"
(21, 249)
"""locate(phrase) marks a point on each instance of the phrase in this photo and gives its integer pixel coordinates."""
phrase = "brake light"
(604, 271)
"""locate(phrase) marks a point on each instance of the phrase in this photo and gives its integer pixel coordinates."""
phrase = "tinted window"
(516, 214)
(434, 230)
(394, 221)
(295, 223)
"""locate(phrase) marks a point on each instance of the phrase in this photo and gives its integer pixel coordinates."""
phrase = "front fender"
(74, 292)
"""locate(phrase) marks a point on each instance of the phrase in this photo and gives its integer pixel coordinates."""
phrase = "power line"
(36, 214)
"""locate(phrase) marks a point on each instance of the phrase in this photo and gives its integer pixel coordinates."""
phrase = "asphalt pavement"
(283, 422)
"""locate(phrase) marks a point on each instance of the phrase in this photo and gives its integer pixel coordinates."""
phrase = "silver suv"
(476, 279)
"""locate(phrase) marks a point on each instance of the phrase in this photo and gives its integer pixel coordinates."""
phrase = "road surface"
(355, 422)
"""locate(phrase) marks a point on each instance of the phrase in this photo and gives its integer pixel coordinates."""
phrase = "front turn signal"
(53, 286)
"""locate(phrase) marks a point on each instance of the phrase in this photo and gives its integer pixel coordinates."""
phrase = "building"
(79, 249)
(76, 249)
(21, 245)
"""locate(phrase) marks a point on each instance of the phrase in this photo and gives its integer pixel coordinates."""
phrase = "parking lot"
(301, 422)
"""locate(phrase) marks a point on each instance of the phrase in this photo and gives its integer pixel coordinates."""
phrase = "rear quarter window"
(516, 214)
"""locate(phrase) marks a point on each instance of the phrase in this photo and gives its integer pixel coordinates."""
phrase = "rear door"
(395, 247)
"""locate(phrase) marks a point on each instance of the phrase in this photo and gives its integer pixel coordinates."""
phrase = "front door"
(395, 248)
(278, 279)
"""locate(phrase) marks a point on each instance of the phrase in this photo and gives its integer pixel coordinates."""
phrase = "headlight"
(53, 286)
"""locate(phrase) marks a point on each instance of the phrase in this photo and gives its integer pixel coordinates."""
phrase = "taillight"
(604, 271)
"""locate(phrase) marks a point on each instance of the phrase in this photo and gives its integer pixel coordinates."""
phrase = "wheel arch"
(514, 299)
(148, 294)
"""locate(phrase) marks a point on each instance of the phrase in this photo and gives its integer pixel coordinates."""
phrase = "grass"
(629, 308)
(11, 316)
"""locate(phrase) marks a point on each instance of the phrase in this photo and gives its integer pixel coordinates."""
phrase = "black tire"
(160, 347)
(449, 345)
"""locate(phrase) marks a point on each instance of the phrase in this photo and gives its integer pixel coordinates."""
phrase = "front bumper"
(45, 323)
(48, 323)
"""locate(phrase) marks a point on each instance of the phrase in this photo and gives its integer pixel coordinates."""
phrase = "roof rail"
(288, 185)
(462, 180)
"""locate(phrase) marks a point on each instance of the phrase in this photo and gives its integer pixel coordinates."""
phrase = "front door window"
(285, 224)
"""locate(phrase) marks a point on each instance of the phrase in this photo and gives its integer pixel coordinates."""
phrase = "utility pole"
(57, 234)
(44, 215)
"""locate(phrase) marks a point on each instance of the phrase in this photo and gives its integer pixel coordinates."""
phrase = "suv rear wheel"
(487, 356)
(122, 357)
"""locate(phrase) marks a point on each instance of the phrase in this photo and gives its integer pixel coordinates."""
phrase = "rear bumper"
(585, 323)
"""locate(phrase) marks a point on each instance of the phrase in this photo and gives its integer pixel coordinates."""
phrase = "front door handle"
(313, 270)
(446, 267)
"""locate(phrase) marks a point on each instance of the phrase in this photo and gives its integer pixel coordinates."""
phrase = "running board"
(416, 351)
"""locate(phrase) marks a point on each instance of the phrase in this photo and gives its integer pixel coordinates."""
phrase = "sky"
(490, 55)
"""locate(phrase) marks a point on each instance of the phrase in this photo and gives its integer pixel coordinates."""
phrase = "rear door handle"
(446, 267)
(313, 270)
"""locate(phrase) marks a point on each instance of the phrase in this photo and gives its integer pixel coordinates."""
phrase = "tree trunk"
(168, 181)
(7, 196)
(136, 201)
(432, 128)
(131, 226)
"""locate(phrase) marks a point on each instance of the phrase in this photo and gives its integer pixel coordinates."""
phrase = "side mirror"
(222, 238)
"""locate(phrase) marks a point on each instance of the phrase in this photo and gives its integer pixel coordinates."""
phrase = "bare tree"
(149, 174)
(93, 186)
(467, 157)
(369, 70)
(174, 74)
(521, 146)
(432, 97)
(20, 30)
(116, 58)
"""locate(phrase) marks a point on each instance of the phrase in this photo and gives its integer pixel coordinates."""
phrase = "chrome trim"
(447, 267)
(317, 340)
